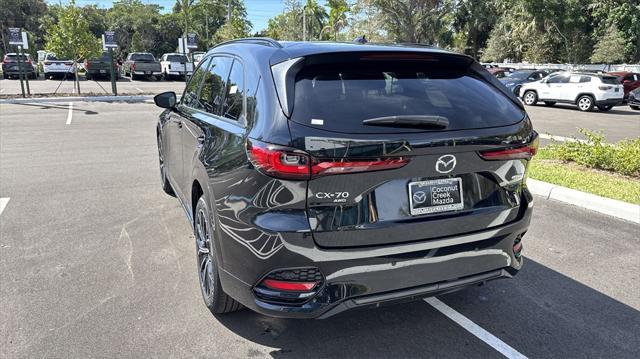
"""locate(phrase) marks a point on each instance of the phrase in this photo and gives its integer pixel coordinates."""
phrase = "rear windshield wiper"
(430, 121)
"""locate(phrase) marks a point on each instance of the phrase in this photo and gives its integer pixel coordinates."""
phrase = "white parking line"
(3, 203)
(70, 114)
(137, 88)
(475, 329)
(2, 90)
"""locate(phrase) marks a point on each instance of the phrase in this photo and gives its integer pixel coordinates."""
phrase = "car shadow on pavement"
(541, 313)
(623, 110)
(44, 106)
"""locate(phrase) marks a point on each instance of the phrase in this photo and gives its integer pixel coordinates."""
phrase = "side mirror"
(165, 99)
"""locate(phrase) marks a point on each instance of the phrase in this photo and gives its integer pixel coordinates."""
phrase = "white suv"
(585, 90)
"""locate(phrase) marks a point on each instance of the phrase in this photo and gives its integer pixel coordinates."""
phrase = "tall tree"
(414, 21)
(71, 38)
(610, 48)
(624, 15)
(338, 10)
(473, 20)
(25, 14)
(237, 27)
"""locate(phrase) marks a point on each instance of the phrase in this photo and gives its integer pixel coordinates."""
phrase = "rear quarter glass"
(338, 97)
(610, 80)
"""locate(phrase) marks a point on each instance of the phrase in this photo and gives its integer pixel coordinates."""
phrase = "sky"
(258, 11)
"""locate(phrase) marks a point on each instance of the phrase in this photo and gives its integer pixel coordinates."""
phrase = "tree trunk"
(75, 77)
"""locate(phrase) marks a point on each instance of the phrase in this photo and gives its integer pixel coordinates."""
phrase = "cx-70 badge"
(446, 163)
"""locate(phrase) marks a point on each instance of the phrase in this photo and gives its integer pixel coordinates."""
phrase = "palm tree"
(338, 10)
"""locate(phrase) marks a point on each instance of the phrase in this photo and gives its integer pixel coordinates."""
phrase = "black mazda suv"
(321, 177)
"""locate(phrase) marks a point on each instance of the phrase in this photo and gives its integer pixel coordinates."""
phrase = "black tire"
(88, 76)
(585, 103)
(549, 103)
(132, 75)
(530, 98)
(5, 76)
(46, 75)
(214, 297)
(634, 107)
(605, 108)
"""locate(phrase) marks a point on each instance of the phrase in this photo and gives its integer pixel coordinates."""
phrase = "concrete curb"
(140, 98)
(611, 207)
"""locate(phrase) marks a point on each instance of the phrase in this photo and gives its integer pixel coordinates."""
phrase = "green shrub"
(622, 157)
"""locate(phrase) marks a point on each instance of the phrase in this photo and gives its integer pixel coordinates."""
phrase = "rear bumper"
(148, 73)
(369, 277)
(609, 102)
(14, 71)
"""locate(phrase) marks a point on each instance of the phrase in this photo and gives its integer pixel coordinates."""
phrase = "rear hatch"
(406, 147)
(612, 87)
(145, 62)
(11, 63)
(100, 65)
(177, 62)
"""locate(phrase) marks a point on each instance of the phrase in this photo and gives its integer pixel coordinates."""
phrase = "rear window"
(340, 97)
(611, 80)
(51, 57)
(176, 58)
(142, 57)
(14, 57)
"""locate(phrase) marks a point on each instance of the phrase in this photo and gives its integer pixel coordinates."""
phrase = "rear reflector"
(289, 286)
(290, 163)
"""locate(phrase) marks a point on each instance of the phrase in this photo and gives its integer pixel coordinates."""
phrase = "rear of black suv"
(369, 175)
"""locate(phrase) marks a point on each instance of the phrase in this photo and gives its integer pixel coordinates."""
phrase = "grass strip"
(601, 183)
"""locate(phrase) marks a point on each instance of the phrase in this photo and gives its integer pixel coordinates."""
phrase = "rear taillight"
(604, 88)
(86, 65)
(525, 152)
(47, 63)
(133, 66)
(5, 59)
(289, 163)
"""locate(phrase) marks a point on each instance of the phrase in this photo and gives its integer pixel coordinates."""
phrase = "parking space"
(43, 86)
(98, 262)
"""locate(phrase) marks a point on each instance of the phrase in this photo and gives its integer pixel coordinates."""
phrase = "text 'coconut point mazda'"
(321, 177)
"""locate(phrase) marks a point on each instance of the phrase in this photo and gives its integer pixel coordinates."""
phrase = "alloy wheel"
(205, 263)
(529, 98)
(584, 103)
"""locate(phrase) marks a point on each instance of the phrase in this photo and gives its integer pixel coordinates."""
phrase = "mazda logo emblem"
(419, 197)
(446, 163)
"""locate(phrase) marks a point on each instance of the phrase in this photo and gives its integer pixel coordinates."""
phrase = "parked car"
(196, 57)
(100, 67)
(141, 64)
(629, 80)
(585, 90)
(516, 79)
(175, 65)
(634, 99)
(11, 67)
(53, 66)
(500, 72)
(320, 177)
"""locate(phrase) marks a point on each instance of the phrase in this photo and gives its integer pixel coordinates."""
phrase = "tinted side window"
(234, 93)
(191, 95)
(214, 83)
(585, 79)
(560, 79)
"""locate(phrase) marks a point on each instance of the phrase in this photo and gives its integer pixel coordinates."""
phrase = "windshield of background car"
(14, 57)
(343, 95)
(142, 57)
(519, 75)
(610, 80)
(176, 58)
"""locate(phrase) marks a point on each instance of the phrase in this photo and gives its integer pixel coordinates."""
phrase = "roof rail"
(266, 41)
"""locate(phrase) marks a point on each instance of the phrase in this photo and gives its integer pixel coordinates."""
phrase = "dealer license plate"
(434, 196)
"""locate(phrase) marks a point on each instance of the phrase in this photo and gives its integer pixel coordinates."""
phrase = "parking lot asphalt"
(100, 86)
(97, 262)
